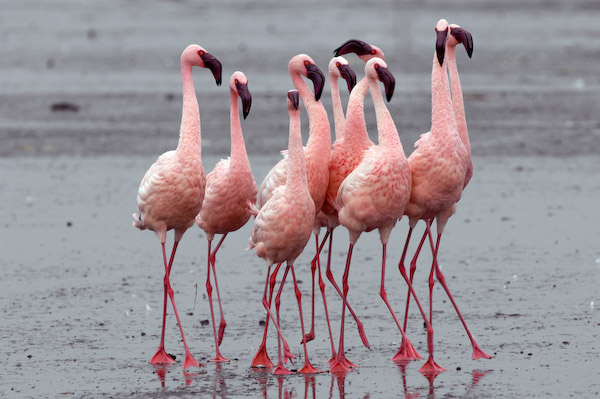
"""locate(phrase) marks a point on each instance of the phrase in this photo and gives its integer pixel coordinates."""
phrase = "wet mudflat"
(91, 95)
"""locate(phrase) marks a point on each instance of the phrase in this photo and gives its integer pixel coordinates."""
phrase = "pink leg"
(268, 309)
(313, 268)
(411, 353)
(430, 366)
(280, 369)
(340, 364)
(161, 356)
(218, 357)
(477, 352)
(322, 288)
(287, 355)
(223, 323)
(189, 359)
(329, 274)
(308, 368)
(262, 358)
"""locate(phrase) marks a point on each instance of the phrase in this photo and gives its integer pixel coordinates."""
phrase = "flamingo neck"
(338, 111)
(296, 176)
(318, 123)
(356, 126)
(457, 98)
(238, 147)
(386, 128)
(442, 114)
(189, 132)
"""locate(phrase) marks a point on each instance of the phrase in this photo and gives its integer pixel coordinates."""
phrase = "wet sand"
(81, 290)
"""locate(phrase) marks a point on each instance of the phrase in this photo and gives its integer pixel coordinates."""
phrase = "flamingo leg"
(322, 288)
(270, 314)
(218, 357)
(308, 368)
(477, 352)
(313, 268)
(329, 274)
(341, 364)
(411, 353)
(280, 369)
(161, 356)
(189, 359)
(223, 323)
(262, 358)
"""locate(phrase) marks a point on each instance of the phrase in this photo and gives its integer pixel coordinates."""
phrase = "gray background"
(81, 303)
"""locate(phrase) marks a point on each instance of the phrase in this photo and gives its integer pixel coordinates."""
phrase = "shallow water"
(81, 289)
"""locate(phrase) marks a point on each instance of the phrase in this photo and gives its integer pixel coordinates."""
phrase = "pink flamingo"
(316, 152)
(439, 168)
(374, 195)
(284, 224)
(171, 192)
(338, 69)
(228, 189)
(456, 35)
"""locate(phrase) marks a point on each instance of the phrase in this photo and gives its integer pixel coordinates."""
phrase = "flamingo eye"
(237, 81)
(337, 64)
(306, 63)
(376, 66)
(373, 51)
(201, 52)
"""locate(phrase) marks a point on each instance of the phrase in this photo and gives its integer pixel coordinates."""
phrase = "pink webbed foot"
(219, 359)
(479, 354)
(333, 357)
(308, 337)
(309, 369)
(162, 357)
(261, 359)
(281, 370)
(431, 367)
(190, 362)
(341, 365)
(406, 353)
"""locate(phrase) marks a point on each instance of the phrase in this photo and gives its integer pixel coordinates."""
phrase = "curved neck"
(386, 128)
(189, 132)
(238, 147)
(338, 111)
(318, 122)
(356, 126)
(296, 176)
(457, 98)
(442, 115)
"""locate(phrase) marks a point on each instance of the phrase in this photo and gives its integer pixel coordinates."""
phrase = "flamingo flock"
(353, 183)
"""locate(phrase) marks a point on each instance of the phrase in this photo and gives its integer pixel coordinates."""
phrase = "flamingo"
(338, 69)
(284, 223)
(316, 152)
(171, 192)
(350, 143)
(374, 194)
(439, 167)
(228, 188)
(456, 35)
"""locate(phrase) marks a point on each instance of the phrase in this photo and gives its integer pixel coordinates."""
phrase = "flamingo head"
(305, 65)
(339, 68)
(459, 35)
(293, 101)
(376, 68)
(239, 84)
(364, 50)
(441, 30)
(198, 56)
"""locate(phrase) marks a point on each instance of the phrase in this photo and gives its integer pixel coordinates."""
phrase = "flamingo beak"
(318, 79)
(355, 46)
(294, 98)
(348, 75)
(440, 45)
(245, 96)
(213, 64)
(388, 80)
(464, 37)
